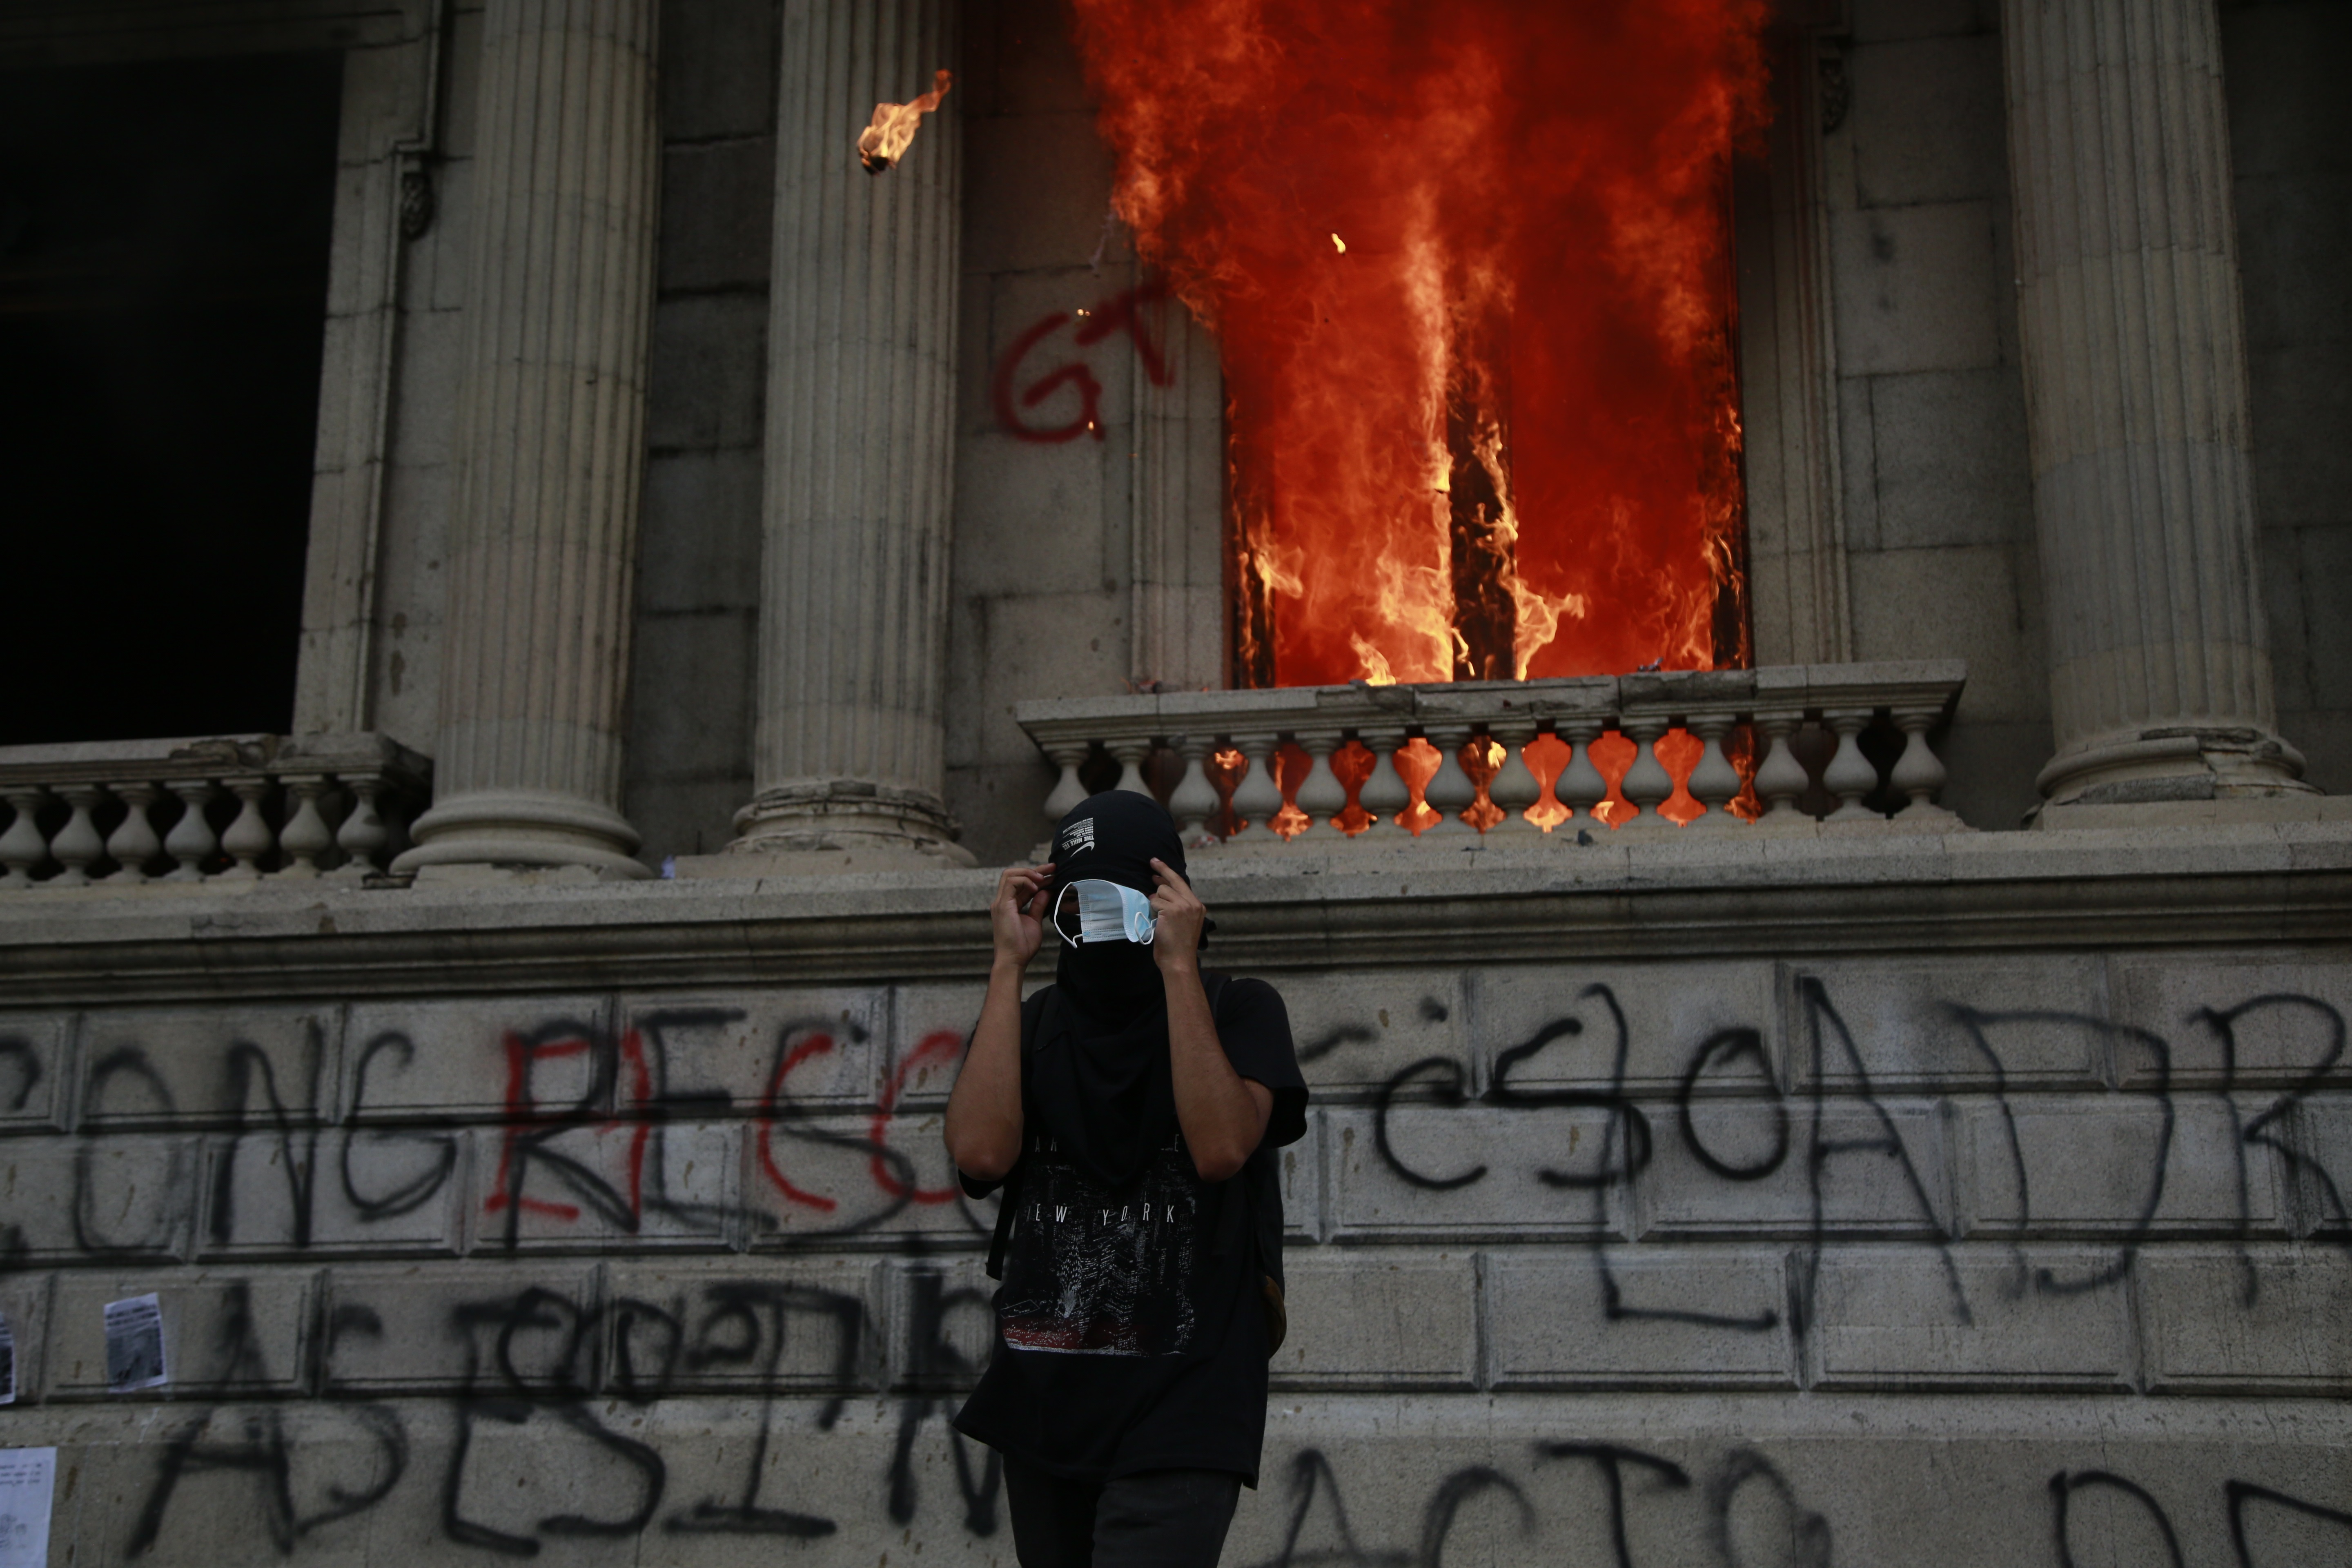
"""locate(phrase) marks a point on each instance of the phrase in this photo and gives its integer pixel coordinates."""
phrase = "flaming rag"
(886, 141)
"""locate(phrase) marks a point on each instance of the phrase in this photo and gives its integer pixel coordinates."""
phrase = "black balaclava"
(1101, 1082)
(1112, 837)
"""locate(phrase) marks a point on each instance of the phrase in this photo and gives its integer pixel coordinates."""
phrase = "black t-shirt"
(1130, 1330)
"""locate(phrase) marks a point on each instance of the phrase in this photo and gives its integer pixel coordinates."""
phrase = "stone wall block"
(635, 1186)
(2267, 1319)
(1352, 1037)
(1947, 1026)
(480, 1058)
(804, 1325)
(937, 1326)
(241, 1334)
(1378, 1318)
(2265, 1024)
(1458, 1172)
(754, 1049)
(437, 1328)
(162, 1068)
(1915, 289)
(129, 1195)
(2072, 1167)
(1678, 1318)
(346, 1191)
(36, 1057)
(1864, 1188)
(1970, 1318)
(837, 1182)
(26, 1300)
(1670, 1013)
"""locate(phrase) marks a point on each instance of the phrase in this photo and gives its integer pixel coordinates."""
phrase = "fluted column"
(551, 435)
(860, 441)
(2136, 387)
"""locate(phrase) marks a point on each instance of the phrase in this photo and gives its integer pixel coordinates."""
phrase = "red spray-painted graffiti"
(1124, 311)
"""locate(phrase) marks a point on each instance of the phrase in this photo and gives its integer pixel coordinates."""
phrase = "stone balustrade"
(219, 809)
(1748, 750)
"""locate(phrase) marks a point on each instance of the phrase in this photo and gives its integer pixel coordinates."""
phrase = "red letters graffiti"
(1123, 312)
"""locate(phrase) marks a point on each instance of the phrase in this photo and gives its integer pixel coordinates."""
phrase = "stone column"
(2136, 388)
(860, 445)
(550, 431)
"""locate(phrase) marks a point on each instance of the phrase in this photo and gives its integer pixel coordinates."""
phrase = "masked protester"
(1130, 1111)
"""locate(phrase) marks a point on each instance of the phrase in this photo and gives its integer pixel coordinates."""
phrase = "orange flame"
(1494, 430)
(885, 141)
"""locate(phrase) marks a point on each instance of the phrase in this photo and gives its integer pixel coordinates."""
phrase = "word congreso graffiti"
(398, 1241)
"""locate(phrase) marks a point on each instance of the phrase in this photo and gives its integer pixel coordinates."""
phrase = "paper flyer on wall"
(7, 1361)
(134, 1345)
(28, 1481)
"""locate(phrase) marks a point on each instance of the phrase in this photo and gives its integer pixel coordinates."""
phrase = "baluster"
(1714, 782)
(1580, 787)
(1130, 752)
(1850, 775)
(1515, 787)
(77, 846)
(134, 843)
(1320, 795)
(1449, 791)
(22, 848)
(191, 840)
(1918, 771)
(1068, 791)
(364, 834)
(1646, 785)
(1781, 778)
(1194, 799)
(1383, 795)
(248, 837)
(1258, 796)
(305, 837)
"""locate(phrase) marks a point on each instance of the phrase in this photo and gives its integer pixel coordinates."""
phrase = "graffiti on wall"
(594, 1121)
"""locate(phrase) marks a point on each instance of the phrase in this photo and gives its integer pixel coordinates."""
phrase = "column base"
(522, 828)
(880, 826)
(2173, 764)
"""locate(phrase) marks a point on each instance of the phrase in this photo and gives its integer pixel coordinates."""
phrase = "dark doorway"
(163, 237)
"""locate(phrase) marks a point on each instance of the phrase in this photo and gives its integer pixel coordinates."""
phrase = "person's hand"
(1180, 915)
(1018, 915)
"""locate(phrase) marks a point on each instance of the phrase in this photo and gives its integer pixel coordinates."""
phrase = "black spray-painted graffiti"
(537, 1357)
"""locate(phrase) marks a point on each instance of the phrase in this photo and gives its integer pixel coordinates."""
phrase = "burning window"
(1470, 269)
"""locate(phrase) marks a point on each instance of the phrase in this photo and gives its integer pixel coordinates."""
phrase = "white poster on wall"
(29, 1479)
(134, 1345)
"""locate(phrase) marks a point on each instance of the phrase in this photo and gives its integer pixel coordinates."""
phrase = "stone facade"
(1988, 1193)
(1910, 1191)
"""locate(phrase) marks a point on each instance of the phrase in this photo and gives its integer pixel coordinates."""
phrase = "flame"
(1504, 438)
(886, 141)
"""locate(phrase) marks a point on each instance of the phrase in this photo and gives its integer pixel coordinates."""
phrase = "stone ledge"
(1838, 892)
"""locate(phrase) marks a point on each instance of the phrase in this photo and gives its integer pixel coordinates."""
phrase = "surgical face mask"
(1107, 911)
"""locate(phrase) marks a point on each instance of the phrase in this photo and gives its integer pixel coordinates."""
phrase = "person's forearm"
(984, 1123)
(1221, 1117)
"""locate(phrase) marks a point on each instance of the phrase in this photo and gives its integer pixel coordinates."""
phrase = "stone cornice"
(1831, 894)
